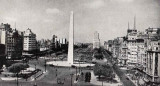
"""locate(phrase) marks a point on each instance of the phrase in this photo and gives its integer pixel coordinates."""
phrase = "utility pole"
(45, 65)
(79, 65)
(71, 78)
(17, 78)
(56, 72)
(76, 73)
(36, 50)
(35, 73)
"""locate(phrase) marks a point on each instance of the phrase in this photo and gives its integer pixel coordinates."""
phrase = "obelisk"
(71, 39)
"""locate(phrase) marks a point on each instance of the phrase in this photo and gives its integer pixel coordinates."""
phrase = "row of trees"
(104, 71)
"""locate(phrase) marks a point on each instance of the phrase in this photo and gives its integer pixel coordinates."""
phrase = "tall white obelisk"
(71, 39)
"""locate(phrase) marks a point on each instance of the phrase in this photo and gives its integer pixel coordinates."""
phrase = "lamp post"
(35, 73)
(76, 73)
(71, 78)
(16, 75)
(45, 65)
(17, 78)
(56, 72)
(79, 65)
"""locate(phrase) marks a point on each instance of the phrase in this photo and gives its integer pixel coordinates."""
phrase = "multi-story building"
(110, 45)
(2, 49)
(132, 46)
(53, 42)
(116, 48)
(43, 45)
(2, 55)
(4, 30)
(106, 45)
(140, 51)
(153, 54)
(123, 57)
(141, 48)
(14, 44)
(29, 43)
(96, 40)
(63, 43)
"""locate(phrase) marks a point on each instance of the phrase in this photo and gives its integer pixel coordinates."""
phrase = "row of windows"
(132, 44)
(29, 43)
(29, 38)
(132, 57)
(133, 61)
(131, 38)
(29, 47)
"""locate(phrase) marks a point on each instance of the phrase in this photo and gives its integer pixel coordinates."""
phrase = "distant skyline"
(109, 17)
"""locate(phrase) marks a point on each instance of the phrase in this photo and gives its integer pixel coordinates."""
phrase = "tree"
(103, 70)
(98, 55)
(17, 67)
(87, 77)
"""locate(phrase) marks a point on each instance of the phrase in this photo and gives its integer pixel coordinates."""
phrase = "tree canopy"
(17, 67)
(102, 70)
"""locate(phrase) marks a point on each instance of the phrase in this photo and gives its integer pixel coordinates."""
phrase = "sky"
(109, 17)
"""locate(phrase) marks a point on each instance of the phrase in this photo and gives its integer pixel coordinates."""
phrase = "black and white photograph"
(79, 42)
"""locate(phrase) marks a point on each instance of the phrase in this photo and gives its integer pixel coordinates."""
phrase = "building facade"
(132, 46)
(14, 44)
(4, 30)
(29, 43)
(123, 57)
(96, 40)
(153, 54)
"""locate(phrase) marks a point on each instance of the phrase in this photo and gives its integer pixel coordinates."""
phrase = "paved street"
(50, 78)
(123, 77)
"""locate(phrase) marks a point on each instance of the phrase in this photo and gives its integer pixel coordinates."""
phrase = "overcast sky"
(109, 17)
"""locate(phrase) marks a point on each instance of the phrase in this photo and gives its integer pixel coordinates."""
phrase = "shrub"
(17, 67)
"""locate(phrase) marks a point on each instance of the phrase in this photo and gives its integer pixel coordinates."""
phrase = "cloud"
(96, 4)
(47, 20)
(53, 11)
(10, 19)
(125, 0)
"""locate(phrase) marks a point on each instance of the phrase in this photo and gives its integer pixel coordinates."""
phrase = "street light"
(17, 78)
(56, 72)
(71, 78)
(45, 65)
(79, 65)
(76, 73)
(35, 73)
